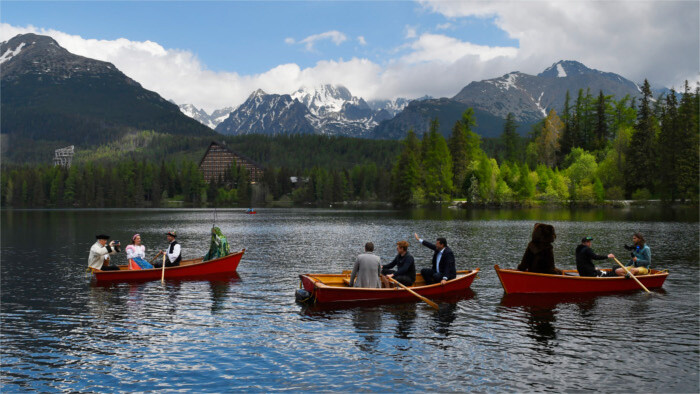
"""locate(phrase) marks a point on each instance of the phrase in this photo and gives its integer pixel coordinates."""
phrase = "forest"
(597, 148)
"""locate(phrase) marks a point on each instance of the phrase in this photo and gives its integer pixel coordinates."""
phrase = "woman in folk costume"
(219, 245)
(137, 253)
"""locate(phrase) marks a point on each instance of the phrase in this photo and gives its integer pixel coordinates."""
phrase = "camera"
(117, 242)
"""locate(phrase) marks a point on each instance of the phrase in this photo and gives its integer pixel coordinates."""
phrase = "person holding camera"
(641, 257)
(100, 252)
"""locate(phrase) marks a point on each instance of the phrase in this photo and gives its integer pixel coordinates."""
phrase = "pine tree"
(459, 144)
(670, 147)
(689, 139)
(641, 157)
(510, 140)
(567, 136)
(437, 166)
(406, 173)
(601, 127)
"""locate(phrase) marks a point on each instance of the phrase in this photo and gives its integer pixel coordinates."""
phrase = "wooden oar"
(630, 274)
(153, 259)
(427, 301)
(162, 272)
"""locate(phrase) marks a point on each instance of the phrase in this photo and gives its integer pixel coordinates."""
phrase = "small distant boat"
(335, 288)
(251, 211)
(188, 269)
(519, 282)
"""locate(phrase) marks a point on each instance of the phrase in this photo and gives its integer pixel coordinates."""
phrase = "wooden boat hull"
(518, 282)
(329, 288)
(188, 269)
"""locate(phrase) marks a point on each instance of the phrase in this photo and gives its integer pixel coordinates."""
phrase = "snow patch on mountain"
(9, 54)
(505, 82)
(560, 71)
(539, 106)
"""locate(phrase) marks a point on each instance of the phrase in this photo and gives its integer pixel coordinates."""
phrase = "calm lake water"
(62, 332)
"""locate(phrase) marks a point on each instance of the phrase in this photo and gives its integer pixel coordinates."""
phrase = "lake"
(63, 332)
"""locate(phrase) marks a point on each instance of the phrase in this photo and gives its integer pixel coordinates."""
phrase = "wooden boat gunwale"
(384, 294)
(653, 274)
(189, 264)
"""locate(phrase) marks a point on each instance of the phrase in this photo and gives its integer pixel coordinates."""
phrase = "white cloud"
(439, 48)
(411, 32)
(335, 36)
(637, 40)
(443, 26)
(657, 40)
(361, 40)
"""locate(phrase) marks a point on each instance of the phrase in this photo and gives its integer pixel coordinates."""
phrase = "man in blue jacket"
(443, 262)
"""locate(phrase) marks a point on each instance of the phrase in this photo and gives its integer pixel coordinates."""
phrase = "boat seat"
(346, 281)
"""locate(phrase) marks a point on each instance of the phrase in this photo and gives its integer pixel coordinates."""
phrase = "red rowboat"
(188, 269)
(330, 288)
(519, 282)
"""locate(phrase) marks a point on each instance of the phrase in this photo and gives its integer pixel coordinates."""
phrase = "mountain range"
(334, 110)
(50, 94)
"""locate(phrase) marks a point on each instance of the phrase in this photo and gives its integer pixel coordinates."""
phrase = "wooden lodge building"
(218, 158)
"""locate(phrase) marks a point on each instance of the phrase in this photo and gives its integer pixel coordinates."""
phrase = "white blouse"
(136, 251)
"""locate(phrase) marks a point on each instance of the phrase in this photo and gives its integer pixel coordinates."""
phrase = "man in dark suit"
(443, 262)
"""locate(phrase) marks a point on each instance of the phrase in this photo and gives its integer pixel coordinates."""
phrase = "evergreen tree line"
(600, 148)
(127, 183)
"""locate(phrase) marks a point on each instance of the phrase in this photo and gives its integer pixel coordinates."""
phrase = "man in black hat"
(99, 254)
(173, 252)
(585, 257)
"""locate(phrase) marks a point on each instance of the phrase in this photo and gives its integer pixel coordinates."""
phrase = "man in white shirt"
(173, 255)
(99, 253)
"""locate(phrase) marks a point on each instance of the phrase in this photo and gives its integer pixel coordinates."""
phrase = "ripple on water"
(60, 332)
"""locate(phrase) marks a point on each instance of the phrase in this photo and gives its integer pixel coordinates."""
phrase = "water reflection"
(220, 290)
(405, 316)
(59, 333)
(368, 323)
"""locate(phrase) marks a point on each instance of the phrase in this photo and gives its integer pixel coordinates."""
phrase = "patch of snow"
(505, 82)
(9, 54)
(560, 71)
(539, 106)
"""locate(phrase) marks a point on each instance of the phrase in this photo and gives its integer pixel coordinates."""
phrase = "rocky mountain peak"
(566, 68)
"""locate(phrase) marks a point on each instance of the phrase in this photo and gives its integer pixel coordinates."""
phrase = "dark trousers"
(109, 268)
(403, 279)
(430, 276)
(167, 264)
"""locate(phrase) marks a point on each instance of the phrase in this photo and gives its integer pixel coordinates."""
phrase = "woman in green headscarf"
(219, 245)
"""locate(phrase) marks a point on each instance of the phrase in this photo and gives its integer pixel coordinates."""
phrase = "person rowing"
(173, 254)
(405, 272)
(100, 251)
(584, 259)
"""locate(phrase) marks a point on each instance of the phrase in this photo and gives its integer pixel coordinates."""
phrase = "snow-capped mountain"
(270, 114)
(329, 110)
(203, 117)
(528, 97)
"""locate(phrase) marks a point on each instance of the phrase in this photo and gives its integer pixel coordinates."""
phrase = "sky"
(215, 54)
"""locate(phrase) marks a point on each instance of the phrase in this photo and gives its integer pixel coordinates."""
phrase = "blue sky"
(249, 37)
(214, 54)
